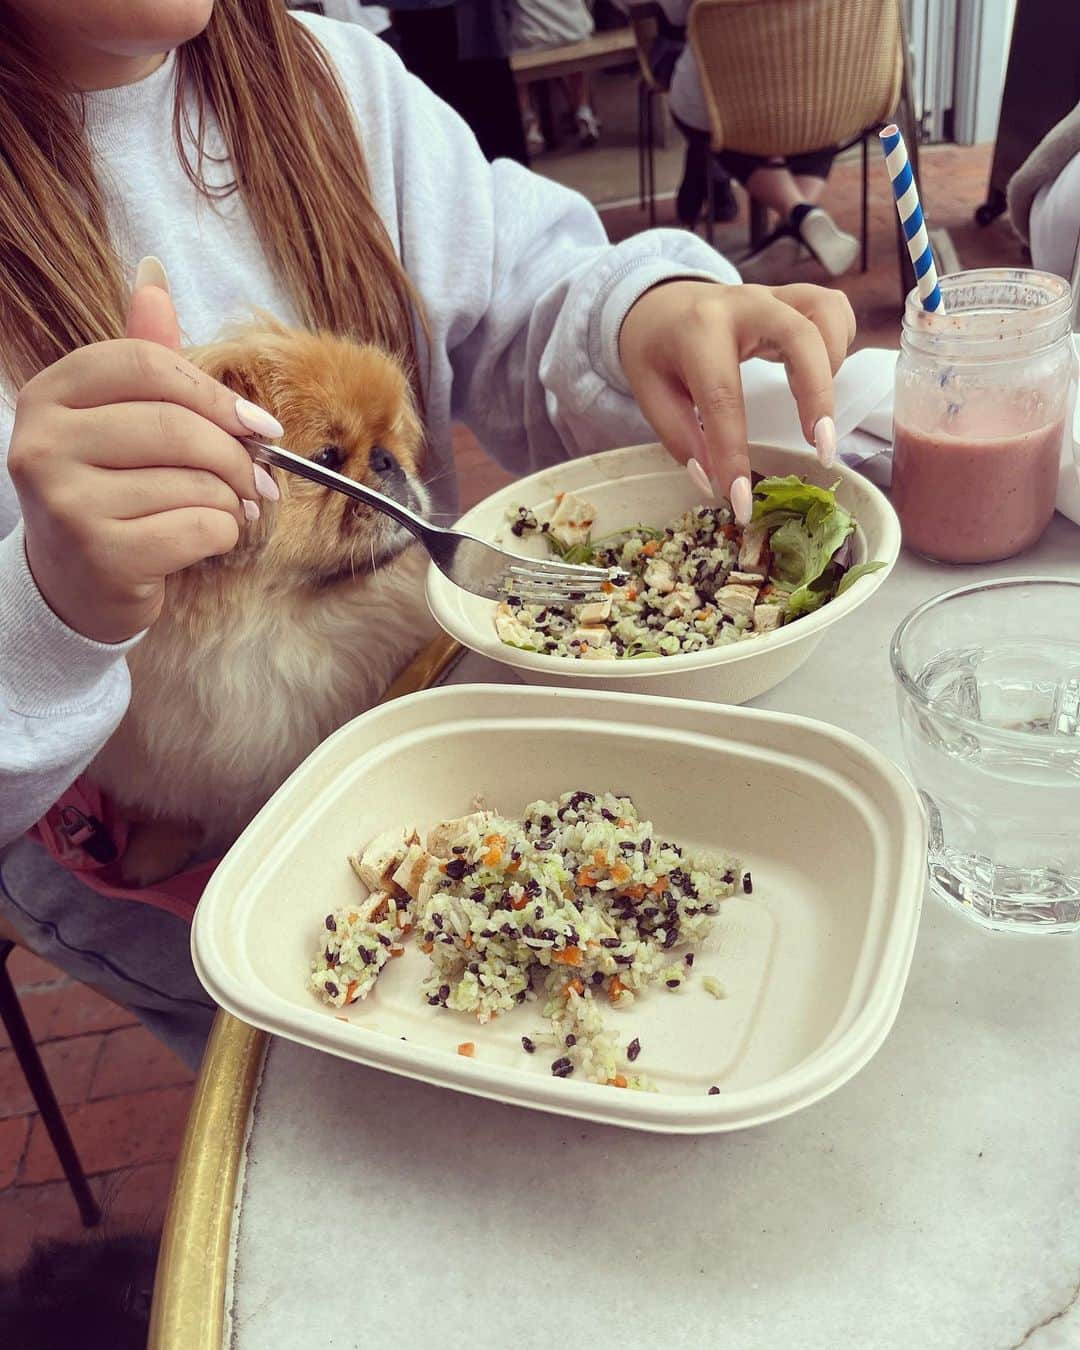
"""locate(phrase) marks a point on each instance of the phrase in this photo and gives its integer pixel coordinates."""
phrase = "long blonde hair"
(297, 163)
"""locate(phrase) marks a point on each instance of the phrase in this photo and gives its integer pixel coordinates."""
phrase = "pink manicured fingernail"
(265, 485)
(699, 478)
(251, 509)
(258, 420)
(825, 440)
(151, 272)
(742, 501)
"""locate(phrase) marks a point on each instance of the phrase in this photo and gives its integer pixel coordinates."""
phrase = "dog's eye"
(330, 457)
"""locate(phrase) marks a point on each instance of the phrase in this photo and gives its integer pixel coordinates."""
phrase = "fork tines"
(554, 583)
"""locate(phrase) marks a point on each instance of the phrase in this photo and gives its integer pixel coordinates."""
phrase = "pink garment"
(84, 833)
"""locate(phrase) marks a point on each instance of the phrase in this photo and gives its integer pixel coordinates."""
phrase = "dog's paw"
(156, 850)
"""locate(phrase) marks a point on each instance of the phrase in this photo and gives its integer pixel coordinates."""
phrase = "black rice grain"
(714, 1091)
(571, 1039)
(633, 1050)
(673, 984)
(331, 988)
(748, 885)
(527, 1045)
(331, 926)
(563, 1068)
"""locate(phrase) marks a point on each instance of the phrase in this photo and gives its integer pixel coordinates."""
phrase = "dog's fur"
(259, 655)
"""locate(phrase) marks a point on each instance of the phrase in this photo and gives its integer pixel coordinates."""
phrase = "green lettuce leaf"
(854, 573)
(808, 526)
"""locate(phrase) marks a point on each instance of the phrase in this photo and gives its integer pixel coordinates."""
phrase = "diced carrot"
(618, 1081)
(615, 988)
(624, 824)
(575, 984)
(515, 865)
(659, 886)
(427, 947)
(520, 902)
(599, 857)
(587, 877)
(635, 892)
(569, 956)
(620, 873)
(443, 867)
(651, 549)
(608, 587)
(468, 940)
(631, 594)
(350, 989)
(397, 951)
(592, 942)
(379, 912)
(729, 531)
(495, 839)
(353, 918)
(405, 927)
(467, 1048)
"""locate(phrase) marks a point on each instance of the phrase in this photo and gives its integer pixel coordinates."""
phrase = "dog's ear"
(234, 365)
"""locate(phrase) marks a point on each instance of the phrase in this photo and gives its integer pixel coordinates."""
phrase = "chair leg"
(865, 208)
(759, 223)
(650, 158)
(710, 209)
(642, 96)
(26, 1052)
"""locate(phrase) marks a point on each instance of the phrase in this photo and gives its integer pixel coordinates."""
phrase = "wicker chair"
(782, 77)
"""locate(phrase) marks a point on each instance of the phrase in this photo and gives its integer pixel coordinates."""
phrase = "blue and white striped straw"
(911, 216)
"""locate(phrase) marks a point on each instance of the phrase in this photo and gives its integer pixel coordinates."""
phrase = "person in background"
(1044, 198)
(461, 51)
(536, 24)
(791, 187)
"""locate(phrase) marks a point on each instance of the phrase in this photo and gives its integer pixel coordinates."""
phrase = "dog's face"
(347, 406)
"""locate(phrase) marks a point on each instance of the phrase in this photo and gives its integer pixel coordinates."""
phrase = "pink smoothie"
(965, 498)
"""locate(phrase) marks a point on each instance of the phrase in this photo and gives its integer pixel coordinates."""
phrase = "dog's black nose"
(383, 462)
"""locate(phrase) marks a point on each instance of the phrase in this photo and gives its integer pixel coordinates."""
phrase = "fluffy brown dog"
(258, 656)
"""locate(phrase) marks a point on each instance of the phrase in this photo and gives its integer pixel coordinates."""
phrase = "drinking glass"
(988, 690)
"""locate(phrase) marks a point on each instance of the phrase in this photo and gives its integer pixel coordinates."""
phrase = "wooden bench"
(602, 51)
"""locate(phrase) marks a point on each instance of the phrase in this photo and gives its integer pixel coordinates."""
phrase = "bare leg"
(577, 90)
(810, 188)
(774, 186)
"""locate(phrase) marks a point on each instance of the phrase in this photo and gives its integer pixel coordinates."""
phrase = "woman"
(284, 162)
(536, 24)
(791, 187)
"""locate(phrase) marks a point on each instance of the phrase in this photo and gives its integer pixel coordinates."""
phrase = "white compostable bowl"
(813, 962)
(642, 485)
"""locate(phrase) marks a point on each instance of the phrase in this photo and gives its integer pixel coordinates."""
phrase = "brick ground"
(126, 1098)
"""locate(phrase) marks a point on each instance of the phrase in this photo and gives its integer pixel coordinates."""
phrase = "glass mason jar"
(983, 407)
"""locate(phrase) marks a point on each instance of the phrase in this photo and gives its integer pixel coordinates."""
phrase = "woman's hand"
(681, 346)
(125, 460)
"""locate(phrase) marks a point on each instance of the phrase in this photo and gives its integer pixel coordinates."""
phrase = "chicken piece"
(660, 576)
(682, 600)
(754, 555)
(591, 637)
(377, 863)
(597, 612)
(754, 579)
(598, 654)
(573, 519)
(414, 868)
(443, 837)
(736, 602)
(767, 618)
(511, 629)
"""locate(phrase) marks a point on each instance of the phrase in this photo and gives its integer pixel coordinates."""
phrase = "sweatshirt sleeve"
(61, 696)
(523, 294)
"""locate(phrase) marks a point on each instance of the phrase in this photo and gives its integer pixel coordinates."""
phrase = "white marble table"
(932, 1202)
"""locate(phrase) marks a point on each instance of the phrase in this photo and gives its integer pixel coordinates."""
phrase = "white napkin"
(864, 401)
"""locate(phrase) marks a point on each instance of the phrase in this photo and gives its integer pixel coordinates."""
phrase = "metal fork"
(477, 567)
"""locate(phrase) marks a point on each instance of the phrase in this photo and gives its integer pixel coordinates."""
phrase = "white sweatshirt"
(523, 293)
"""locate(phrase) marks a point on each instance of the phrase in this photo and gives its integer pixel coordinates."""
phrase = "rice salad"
(574, 908)
(700, 582)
